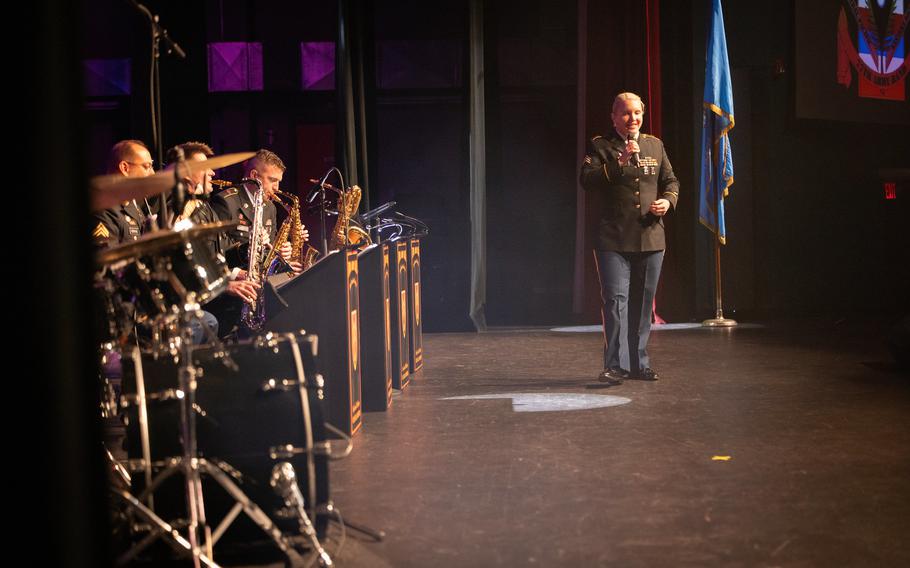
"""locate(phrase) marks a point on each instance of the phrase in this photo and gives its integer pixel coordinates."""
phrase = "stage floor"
(777, 445)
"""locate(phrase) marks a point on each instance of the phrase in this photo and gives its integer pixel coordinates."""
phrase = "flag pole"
(718, 320)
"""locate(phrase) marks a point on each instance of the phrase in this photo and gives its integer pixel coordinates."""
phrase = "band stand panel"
(401, 337)
(375, 327)
(416, 321)
(324, 301)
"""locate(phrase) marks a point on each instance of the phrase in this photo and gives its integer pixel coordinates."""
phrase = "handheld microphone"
(635, 157)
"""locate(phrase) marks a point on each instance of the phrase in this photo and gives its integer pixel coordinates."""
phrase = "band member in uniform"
(198, 210)
(632, 171)
(126, 223)
(236, 203)
(198, 185)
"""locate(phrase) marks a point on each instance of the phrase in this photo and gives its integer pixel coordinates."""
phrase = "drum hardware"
(225, 475)
(283, 385)
(289, 451)
(160, 529)
(290, 384)
(171, 273)
(199, 543)
(284, 482)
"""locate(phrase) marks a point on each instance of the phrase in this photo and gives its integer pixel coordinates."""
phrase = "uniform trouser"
(207, 320)
(628, 281)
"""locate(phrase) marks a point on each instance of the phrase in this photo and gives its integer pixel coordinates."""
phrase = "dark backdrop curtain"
(619, 52)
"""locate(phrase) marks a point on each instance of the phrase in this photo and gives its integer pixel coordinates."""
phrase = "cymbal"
(218, 162)
(111, 190)
(158, 241)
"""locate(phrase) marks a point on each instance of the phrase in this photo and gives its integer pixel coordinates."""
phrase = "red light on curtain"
(890, 190)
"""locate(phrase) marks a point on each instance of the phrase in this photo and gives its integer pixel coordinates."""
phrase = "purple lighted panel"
(107, 77)
(317, 65)
(235, 66)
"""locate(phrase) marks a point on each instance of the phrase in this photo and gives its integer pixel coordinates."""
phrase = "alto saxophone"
(290, 231)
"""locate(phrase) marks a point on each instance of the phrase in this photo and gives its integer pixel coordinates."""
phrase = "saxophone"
(347, 232)
(290, 230)
(252, 316)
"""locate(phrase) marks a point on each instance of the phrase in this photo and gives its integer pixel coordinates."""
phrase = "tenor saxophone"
(347, 231)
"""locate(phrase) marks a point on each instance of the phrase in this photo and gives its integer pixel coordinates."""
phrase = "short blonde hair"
(627, 97)
(264, 158)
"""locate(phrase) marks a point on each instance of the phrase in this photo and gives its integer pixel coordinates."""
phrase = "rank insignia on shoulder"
(588, 160)
(596, 137)
(229, 192)
(101, 232)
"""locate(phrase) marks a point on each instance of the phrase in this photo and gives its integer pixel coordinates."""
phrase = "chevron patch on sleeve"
(101, 231)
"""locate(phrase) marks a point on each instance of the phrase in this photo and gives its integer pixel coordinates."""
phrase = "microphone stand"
(179, 192)
(325, 242)
(158, 33)
(322, 212)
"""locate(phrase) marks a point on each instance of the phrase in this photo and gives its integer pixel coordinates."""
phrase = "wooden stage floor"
(777, 445)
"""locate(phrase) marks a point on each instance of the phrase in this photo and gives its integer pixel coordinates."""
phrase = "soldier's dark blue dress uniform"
(630, 242)
(123, 224)
(234, 204)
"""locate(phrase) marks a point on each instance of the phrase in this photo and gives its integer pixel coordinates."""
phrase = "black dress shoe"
(647, 374)
(613, 376)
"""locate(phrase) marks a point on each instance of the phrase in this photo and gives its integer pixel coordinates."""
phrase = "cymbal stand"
(198, 544)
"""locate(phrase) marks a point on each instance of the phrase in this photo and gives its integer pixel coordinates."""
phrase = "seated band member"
(236, 204)
(196, 207)
(198, 210)
(126, 223)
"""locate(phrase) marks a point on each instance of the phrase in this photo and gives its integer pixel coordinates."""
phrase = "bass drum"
(253, 417)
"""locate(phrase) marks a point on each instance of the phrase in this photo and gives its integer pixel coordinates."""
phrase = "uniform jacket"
(123, 224)
(234, 204)
(625, 224)
(202, 214)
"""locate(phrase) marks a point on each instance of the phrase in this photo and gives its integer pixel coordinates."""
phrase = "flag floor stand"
(719, 321)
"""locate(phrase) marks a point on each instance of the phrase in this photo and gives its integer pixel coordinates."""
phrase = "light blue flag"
(717, 121)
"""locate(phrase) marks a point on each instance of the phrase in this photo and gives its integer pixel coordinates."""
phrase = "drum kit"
(191, 408)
